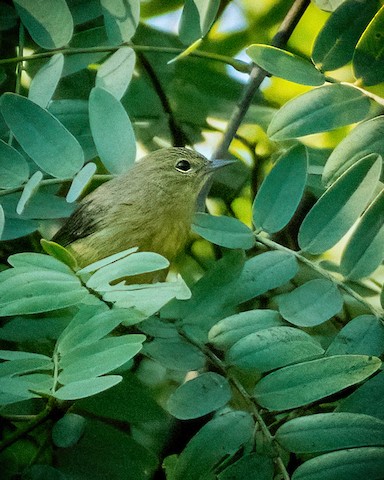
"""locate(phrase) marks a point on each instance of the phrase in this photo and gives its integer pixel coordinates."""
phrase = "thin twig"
(257, 76)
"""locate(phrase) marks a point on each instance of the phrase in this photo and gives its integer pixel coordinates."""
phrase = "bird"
(150, 206)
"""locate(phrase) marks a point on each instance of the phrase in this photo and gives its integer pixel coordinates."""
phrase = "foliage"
(262, 358)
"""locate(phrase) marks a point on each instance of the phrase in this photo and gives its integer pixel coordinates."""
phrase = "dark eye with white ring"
(183, 166)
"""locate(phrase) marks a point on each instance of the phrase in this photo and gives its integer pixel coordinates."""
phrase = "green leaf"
(330, 431)
(117, 156)
(80, 181)
(14, 168)
(281, 191)
(16, 228)
(88, 326)
(116, 72)
(363, 252)
(42, 136)
(37, 261)
(285, 65)
(272, 348)
(25, 291)
(307, 382)
(92, 267)
(49, 27)
(196, 19)
(356, 463)
(231, 329)
(224, 231)
(335, 44)
(311, 304)
(175, 354)
(134, 264)
(251, 465)
(368, 398)
(18, 388)
(2, 221)
(28, 191)
(121, 18)
(212, 443)
(364, 139)
(328, 5)
(11, 355)
(98, 358)
(67, 431)
(25, 365)
(363, 335)
(340, 206)
(45, 81)
(319, 110)
(368, 59)
(211, 390)
(60, 253)
(86, 388)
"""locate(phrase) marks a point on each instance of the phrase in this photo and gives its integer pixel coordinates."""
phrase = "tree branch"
(257, 76)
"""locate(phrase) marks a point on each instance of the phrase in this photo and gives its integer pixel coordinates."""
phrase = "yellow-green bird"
(151, 206)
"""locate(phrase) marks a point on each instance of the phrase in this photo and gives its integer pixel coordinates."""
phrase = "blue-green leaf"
(113, 133)
(340, 206)
(50, 145)
(364, 250)
(319, 110)
(281, 191)
(368, 59)
(86, 388)
(335, 44)
(211, 390)
(49, 27)
(224, 231)
(121, 18)
(80, 181)
(196, 19)
(364, 139)
(14, 168)
(116, 72)
(285, 65)
(28, 191)
(311, 304)
(45, 81)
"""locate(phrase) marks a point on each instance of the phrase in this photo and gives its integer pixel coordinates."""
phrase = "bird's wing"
(84, 221)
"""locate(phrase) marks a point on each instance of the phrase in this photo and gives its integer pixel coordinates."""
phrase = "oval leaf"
(45, 81)
(87, 388)
(67, 431)
(116, 72)
(330, 431)
(212, 390)
(368, 59)
(311, 304)
(356, 463)
(319, 110)
(121, 18)
(340, 206)
(273, 348)
(307, 382)
(196, 19)
(80, 181)
(335, 44)
(49, 27)
(30, 188)
(50, 145)
(366, 138)
(281, 191)
(113, 133)
(285, 65)
(14, 168)
(224, 231)
(364, 250)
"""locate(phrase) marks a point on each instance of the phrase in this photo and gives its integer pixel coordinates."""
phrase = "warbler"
(151, 207)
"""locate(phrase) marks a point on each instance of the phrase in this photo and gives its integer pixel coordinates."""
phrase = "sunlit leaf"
(121, 18)
(335, 44)
(368, 59)
(340, 206)
(319, 110)
(285, 64)
(114, 75)
(196, 19)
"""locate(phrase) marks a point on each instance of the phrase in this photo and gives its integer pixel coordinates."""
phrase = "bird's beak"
(218, 163)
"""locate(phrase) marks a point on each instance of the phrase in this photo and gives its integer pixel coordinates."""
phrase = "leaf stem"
(238, 65)
(321, 271)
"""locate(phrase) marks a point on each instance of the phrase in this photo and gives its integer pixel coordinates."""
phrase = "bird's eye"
(183, 166)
